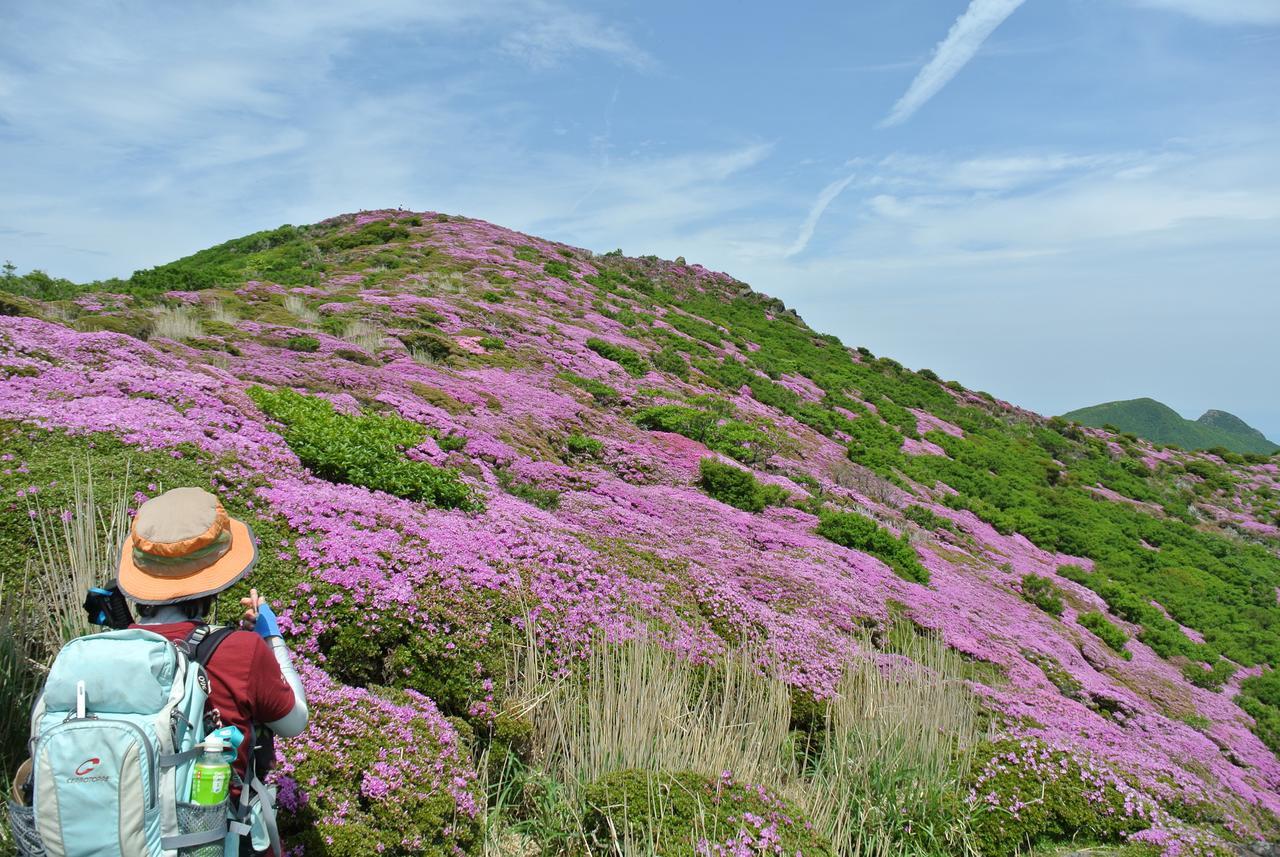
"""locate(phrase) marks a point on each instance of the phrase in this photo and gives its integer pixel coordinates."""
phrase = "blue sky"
(1060, 201)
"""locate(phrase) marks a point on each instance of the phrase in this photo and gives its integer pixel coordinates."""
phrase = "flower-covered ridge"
(548, 412)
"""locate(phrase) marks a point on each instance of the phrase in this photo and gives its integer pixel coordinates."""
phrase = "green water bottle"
(211, 775)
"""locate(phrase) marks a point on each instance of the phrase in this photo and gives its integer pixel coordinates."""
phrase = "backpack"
(114, 737)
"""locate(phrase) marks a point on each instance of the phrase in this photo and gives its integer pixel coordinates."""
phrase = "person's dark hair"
(196, 608)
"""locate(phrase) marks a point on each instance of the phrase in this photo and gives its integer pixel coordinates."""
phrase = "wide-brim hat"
(184, 545)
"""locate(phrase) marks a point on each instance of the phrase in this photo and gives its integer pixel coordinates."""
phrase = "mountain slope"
(446, 431)
(1159, 423)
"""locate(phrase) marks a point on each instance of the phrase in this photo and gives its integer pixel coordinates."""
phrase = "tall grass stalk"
(176, 323)
(220, 312)
(297, 307)
(637, 705)
(365, 335)
(19, 679)
(76, 547)
(886, 777)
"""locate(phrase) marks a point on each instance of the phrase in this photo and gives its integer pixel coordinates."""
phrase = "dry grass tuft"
(177, 323)
(365, 335)
(299, 309)
(220, 312)
(637, 705)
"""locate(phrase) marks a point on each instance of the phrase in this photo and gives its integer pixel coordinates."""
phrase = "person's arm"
(263, 618)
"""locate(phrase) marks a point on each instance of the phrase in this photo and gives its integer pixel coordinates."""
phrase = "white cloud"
(546, 43)
(825, 198)
(967, 34)
(1222, 11)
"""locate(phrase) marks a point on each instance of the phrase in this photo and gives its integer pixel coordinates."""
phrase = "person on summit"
(183, 550)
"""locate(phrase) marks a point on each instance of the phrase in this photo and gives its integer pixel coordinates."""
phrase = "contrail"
(828, 195)
(967, 34)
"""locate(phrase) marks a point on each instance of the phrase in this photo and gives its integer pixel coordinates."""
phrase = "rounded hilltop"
(482, 465)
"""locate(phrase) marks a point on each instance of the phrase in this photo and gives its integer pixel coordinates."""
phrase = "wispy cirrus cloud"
(819, 207)
(953, 53)
(1262, 12)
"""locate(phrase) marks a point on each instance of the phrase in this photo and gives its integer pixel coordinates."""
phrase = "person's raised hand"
(251, 604)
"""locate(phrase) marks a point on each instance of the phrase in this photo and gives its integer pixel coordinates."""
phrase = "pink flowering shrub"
(1023, 792)
(377, 773)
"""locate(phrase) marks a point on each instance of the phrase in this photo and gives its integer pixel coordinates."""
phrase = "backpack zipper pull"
(80, 700)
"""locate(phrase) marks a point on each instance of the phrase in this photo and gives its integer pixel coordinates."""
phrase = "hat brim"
(153, 589)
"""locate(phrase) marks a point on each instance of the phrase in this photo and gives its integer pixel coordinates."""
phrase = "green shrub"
(624, 357)
(738, 487)
(710, 423)
(1260, 698)
(581, 446)
(12, 306)
(927, 519)
(365, 450)
(434, 345)
(1210, 679)
(1025, 794)
(356, 356)
(859, 532)
(1106, 631)
(492, 343)
(302, 343)
(670, 360)
(599, 390)
(129, 325)
(559, 270)
(543, 498)
(1041, 592)
(671, 814)
(377, 232)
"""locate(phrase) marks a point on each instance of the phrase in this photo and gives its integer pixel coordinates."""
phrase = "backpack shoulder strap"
(209, 642)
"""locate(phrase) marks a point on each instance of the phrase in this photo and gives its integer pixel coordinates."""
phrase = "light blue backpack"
(114, 738)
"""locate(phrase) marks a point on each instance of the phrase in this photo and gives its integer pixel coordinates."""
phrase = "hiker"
(183, 551)
(131, 719)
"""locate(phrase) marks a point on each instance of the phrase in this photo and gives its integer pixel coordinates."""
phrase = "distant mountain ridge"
(1159, 423)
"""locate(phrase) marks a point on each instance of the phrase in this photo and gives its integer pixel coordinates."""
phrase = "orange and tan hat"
(184, 545)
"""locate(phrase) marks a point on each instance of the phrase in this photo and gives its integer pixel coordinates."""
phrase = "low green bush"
(1025, 794)
(859, 532)
(628, 359)
(1041, 592)
(302, 343)
(543, 498)
(355, 355)
(377, 232)
(559, 270)
(581, 446)
(927, 519)
(709, 422)
(599, 390)
(670, 360)
(366, 449)
(492, 343)
(1260, 698)
(687, 814)
(738, 487)
(1210, 679)
(434, 345)
(1106, 631)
